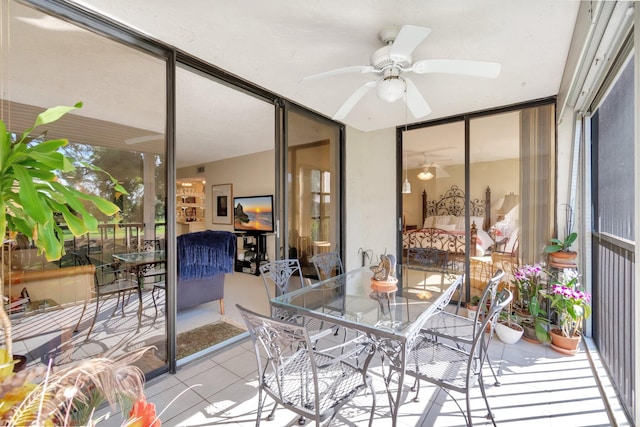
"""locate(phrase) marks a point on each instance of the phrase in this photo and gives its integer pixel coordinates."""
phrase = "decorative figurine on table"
(384, 275)
(384, 283)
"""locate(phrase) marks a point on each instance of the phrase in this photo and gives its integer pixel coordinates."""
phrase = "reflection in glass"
(313, 218)
(119, 129)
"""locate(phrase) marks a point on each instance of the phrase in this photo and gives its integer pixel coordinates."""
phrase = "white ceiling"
(276, 43)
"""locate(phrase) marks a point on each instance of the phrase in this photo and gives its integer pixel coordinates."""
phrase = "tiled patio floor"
(539, 387)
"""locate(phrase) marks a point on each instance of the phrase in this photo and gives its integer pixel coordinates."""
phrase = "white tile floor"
(539, 386)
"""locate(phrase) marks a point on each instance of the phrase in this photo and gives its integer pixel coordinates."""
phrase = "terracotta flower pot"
(562, 344)
(563, 257)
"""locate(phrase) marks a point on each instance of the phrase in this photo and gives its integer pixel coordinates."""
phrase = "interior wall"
(370, 194)
(250, 175)
(497, 175)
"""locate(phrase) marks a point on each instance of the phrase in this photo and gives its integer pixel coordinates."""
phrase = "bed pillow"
(447, 227)
(460, 224)
(428, 222)
(442, 220)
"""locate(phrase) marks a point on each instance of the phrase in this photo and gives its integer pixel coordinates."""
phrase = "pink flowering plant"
(572, 304)
(529, 280)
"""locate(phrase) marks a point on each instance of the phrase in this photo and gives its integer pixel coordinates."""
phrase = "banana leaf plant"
(31, 195)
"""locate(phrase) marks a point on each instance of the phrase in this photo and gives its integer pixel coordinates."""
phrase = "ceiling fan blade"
(415, 101)
(353, 100)
(363, 69)
(490, 70)
(409, 37)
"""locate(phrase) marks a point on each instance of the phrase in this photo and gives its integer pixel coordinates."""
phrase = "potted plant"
(572, 306)
(472, 307)
(31, 195)
(559, 250)
(529, 281)
(507, 328)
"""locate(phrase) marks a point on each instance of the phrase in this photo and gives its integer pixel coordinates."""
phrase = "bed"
(443, 225)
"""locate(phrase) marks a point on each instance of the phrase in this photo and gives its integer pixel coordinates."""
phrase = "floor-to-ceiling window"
(62, 312)
(473, 179)
(312, 188)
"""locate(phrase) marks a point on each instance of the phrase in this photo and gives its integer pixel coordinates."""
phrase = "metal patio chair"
(313, 384)
(461, 329)
(428, 260)
(327, 265)
(285, 275)
(455, 369)
(109, 281)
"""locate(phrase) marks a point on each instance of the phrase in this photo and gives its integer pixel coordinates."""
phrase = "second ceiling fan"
(392, 63)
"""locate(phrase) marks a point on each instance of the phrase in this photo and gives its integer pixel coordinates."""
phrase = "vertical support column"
(149, 204)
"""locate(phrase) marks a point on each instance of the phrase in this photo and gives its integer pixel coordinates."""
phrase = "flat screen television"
(253, 214)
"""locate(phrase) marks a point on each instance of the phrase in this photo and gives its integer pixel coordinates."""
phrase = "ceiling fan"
(392, 63)
(430, 170)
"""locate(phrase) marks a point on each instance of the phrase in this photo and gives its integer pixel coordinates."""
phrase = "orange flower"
(143, 414)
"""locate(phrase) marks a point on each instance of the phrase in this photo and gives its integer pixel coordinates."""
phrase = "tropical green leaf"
(105, 206)
(48, 241)
(55, 161)
(30, 201)
(5, 144)
(75, 224)
(541, 332)
(50, 146)
(54, 113)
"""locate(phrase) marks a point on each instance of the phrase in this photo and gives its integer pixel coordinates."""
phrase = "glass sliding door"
(311, 188)
(225, 160)
(494, 177)
(433, 209)
(60, 313)
(486, 185)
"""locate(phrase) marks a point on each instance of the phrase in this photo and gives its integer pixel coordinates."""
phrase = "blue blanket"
(205, 254)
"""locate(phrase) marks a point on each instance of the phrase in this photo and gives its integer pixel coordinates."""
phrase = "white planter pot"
(471, 314)
(509, 335)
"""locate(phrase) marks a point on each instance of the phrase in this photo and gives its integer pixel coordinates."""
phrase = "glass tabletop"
(350, 299)
(140, 257)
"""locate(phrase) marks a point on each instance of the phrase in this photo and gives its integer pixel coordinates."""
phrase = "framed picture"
(222, 203)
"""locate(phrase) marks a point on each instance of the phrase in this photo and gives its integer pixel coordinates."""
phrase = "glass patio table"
(390, 321)
(134, 258)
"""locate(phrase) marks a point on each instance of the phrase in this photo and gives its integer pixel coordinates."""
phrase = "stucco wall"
(370, 202)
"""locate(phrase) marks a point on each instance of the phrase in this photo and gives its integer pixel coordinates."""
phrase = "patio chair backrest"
(481, 339)
(489, 294)
(285, 274)
(327, 265)
(457, 286)
(427, 259)
(289, 367)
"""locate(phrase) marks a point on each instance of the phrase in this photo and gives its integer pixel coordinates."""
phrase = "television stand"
(252, 253)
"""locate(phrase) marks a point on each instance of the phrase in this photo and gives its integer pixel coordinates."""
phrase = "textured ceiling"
(275, 44)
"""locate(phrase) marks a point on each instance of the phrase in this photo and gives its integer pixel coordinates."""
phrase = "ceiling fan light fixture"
(425, 175)
(391, 89)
